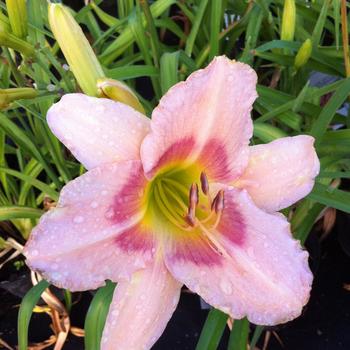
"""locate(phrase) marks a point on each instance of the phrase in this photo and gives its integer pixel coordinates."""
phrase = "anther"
(191, 217)
(193, 196)
(218, 202)
(193, 202)
(204, 183)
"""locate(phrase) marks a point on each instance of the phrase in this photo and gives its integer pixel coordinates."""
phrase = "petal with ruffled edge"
(257, 269)
(98, 130)
(96, 231)
(141, 309)
(281, 172)
(204, 119)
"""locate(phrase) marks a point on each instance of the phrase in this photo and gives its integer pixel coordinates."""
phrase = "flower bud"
(10, 40)
(288, 20)
(9, 95)
(75, 47)
(17, 12)
(303, 54)
(118, 91)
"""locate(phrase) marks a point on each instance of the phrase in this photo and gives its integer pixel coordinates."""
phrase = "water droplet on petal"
(35, 253)
(109, 213)
(226, 286)
(115, 312)
(78, 219)
(94, 204)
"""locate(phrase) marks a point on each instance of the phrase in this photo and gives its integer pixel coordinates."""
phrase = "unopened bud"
(118, 91)
(76, 48)
(288, 20)
(17, 12)
(303, 54)
(9, 95)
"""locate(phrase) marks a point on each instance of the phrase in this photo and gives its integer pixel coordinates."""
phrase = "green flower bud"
(303, 54)
(76, 48)
(118, 91)
(288, 20)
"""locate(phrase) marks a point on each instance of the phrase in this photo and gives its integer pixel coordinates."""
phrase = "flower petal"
(97, 130)
(205, 118)
(281, 172)
(95, 232)
(141, 309)
(258, 270)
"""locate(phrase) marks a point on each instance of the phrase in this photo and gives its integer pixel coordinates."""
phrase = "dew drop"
(115, 312)
(94, 204)
(109, 213)
(100, 108)
(35, 253)
(226, 286)
(78, 219)
(51, 87)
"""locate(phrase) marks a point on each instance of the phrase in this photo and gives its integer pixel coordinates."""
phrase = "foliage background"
(151, 46)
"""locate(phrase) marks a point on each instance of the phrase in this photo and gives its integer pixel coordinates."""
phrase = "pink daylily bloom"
(178, 199)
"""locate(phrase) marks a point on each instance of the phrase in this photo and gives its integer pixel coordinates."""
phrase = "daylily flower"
(179, 199)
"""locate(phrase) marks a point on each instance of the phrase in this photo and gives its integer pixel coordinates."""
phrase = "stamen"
(204, 183)
(191, 218)
(218, 202)
(219, 205)
(193, 202)
(163, 205)
(194, 196)
(177, 185)
(213, 239)
(178, 199)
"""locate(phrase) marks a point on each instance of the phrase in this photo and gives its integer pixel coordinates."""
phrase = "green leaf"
(34, 182)
(19, 212)
(239, 335)
(20, 137)
(96, 316)
(195, 27)
(169, 64)
(317, 33)
(331, 197)
(125, 39)
(212, 330)
(216, 15)
(328, 112)
(132, 71)
(256, 335)
(267, 133)
(26, 310)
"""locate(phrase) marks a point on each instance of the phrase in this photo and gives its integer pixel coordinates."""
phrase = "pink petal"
(141, 309)
(256, 269)
(204, 119)
(281, 172)
(95, 232)
(98, 130)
